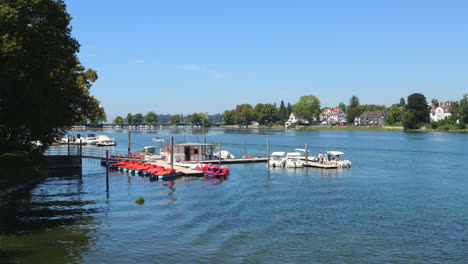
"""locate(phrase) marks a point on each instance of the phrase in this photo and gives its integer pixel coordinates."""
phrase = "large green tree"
(175, 119)
(151, 118)
(118, 121)
(228, 117)
(129, 119)
(138, 119)
(308, 107)
(44, 89)
(283, 112)
(463, 109)
(416, 111)
(394, 114)
(353, 110)
(244, 114)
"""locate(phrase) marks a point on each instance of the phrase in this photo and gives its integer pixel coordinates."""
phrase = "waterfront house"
(189, 151)
(294, 118)
(333, 115)
(440, 112)
(370, 118)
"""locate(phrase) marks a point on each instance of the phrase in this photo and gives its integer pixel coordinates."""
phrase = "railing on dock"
(92, 153)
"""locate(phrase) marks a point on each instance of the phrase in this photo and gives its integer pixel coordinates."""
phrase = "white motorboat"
(67, 139)
(224, 155)
(293, 160)
(91, 139)
(105, 141)
(158, 140)
(277, 159)
(303, 155)
(335, 157)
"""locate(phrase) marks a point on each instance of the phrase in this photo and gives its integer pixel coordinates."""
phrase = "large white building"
(440, 112)
(333, 115)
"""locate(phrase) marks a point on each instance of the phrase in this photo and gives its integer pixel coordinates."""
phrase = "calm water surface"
(403, 201)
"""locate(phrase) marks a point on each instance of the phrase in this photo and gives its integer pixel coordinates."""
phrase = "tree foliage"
(137, 119)
(342, 106)
(283, 112)
(44, 87)
(416, 111)
(244, 114)
(353, 101)
(228, 117)
(175, 119)
(151, 118)
(402, 102)
(129, 119)
(394, 114)
(463, 109)
(353, 110)
(308, 107)
(118, 121)
(200, 119)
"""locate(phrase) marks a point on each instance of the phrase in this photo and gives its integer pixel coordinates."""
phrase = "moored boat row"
(299, 159)
(145, 169)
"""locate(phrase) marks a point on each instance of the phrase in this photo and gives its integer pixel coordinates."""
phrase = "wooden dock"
(234, 161)
(186, 171)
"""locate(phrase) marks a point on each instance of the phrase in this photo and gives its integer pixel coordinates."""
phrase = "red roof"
(333, 111)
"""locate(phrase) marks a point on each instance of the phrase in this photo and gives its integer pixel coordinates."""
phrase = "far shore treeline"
(412, 113)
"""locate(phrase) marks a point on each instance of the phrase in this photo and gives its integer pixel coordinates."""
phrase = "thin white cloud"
(139, 61)
(203, 69)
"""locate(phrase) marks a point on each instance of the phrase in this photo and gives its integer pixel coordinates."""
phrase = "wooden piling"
(219, 153)
(107, 170)
(268, 151)
(129, 140)
(172, 152)
(245, 147)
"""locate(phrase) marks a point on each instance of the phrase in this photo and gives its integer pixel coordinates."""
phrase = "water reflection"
(51, 222)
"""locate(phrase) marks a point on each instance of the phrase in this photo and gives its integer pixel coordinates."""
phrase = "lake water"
(405, 200)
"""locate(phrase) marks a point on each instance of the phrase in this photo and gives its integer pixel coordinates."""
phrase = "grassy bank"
(351, 128)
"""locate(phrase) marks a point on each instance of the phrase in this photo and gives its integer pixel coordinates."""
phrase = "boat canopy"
(301, 150)
(293, 154)
(335, 152)
(278, 153)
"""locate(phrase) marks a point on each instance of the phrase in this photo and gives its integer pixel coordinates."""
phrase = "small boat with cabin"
(293, 160)
(277, 159)
(105, 141)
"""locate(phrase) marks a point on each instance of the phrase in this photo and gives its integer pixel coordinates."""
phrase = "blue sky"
(182, 57)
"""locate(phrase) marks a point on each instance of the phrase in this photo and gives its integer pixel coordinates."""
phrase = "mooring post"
(129, 140)
(172, 152)
(68, 145)
(306, 154)
(81, 153)
(245, 147)
(219, 153)
(268, 151)
(107, 169)
(204, 147)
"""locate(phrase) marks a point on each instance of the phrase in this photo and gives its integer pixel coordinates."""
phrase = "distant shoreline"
(304, 128)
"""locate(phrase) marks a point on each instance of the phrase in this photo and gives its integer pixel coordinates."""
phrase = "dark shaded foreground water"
(404, 201)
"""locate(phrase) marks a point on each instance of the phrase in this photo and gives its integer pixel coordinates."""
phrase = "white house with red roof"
(333, 115)
(294, 118)
(440, 112)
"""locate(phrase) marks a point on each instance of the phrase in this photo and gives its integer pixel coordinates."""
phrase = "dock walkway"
(186, 171)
